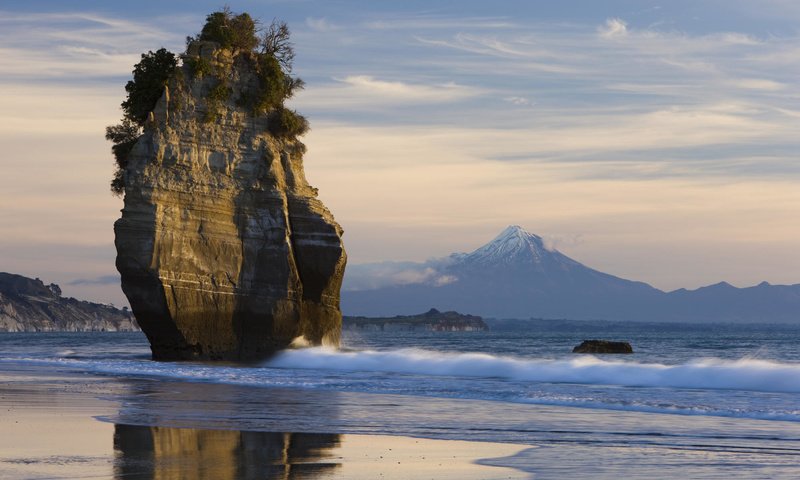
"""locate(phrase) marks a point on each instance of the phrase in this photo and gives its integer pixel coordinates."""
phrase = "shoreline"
(355, 430)
(60, 426)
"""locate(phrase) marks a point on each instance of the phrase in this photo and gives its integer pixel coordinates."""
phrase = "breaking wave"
(715, 374)
(744, 388)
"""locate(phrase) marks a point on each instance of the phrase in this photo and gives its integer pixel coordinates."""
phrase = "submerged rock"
(603, 346)
(224, 250)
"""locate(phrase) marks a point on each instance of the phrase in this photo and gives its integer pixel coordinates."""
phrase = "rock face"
(224, 250)
(28, 305)
(603, 346)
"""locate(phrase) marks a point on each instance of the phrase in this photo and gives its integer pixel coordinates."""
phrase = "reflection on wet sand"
(166, 453)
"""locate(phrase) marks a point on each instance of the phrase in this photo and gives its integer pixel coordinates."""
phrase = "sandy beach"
(94, 406)
(61, 427)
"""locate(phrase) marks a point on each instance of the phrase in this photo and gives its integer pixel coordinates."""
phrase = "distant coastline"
(28, 305)
(432, 321)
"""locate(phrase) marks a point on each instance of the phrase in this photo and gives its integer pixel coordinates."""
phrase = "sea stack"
(224, 249)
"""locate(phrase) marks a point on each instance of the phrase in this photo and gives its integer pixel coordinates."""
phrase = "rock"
(28, 305)
(603, 346)
(224, 250)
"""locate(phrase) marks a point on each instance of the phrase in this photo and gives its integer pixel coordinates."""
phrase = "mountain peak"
(513, 245)
(515, 231)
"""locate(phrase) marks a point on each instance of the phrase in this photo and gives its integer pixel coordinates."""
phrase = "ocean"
(693, 401)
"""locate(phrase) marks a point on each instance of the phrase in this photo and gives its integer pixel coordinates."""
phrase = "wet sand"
(59, 426)
(62, 422)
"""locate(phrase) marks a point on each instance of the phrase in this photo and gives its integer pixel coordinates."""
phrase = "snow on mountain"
(516, 247)
(514, 244)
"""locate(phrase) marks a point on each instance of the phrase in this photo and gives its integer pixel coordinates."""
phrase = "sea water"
(730, 392)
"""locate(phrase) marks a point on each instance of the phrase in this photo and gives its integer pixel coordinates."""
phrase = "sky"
(656, 141)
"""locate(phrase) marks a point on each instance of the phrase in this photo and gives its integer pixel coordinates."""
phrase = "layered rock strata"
(224, 250)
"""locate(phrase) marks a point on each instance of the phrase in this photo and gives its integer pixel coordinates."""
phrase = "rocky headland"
(432, 321)
(28, 305)
(224, 249)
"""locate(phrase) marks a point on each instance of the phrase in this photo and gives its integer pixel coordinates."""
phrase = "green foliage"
(215, 99)
(287, 124)
(275, 85)
(272, 88)
(150, 76)
(272, 55)
(199, 66)
(220, 92)
(230, 30)
(124, 137)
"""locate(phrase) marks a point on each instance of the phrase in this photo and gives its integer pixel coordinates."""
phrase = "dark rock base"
(603, 346)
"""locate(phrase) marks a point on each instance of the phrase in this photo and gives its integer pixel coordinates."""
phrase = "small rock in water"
(603, 346)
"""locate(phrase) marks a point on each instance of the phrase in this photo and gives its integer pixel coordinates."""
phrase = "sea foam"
(715, 374)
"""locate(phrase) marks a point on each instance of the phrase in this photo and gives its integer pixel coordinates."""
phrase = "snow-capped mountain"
(515, 275)
(514, 247)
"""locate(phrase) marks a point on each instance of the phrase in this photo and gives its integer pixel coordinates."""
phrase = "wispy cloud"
(614, 27)
(385, 274)
(39, 46)
(408, 92)
(640, 132)
(519, 101)
(536, 58)
(365, 91)
(438, 22)
(321, 24)
(759, 84)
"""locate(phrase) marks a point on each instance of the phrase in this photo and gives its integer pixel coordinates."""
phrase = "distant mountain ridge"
(28, 305)
(516, 276)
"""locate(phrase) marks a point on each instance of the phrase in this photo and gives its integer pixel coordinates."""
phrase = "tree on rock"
(272, 53)
(150, 76)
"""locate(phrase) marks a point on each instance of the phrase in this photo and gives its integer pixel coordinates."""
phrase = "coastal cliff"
(224, 250)
(28, 305)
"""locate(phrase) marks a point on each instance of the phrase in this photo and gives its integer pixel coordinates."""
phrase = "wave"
(702, 387)
(744, 374)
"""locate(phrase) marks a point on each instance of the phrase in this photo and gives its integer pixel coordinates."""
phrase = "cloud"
(519, 101)
(555, 242)
(321, 25)
(439, 22)
(420, 145)
(42, 46)
(614, 27)
(366, 91)
(408, 92)
(103, 280)
(759, 84)
(537, 58)
(386, 274)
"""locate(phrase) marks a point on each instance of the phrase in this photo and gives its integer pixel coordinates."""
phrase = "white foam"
(715, 374)
(300, 342)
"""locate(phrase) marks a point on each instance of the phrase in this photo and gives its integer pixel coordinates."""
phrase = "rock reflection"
(166, 453)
